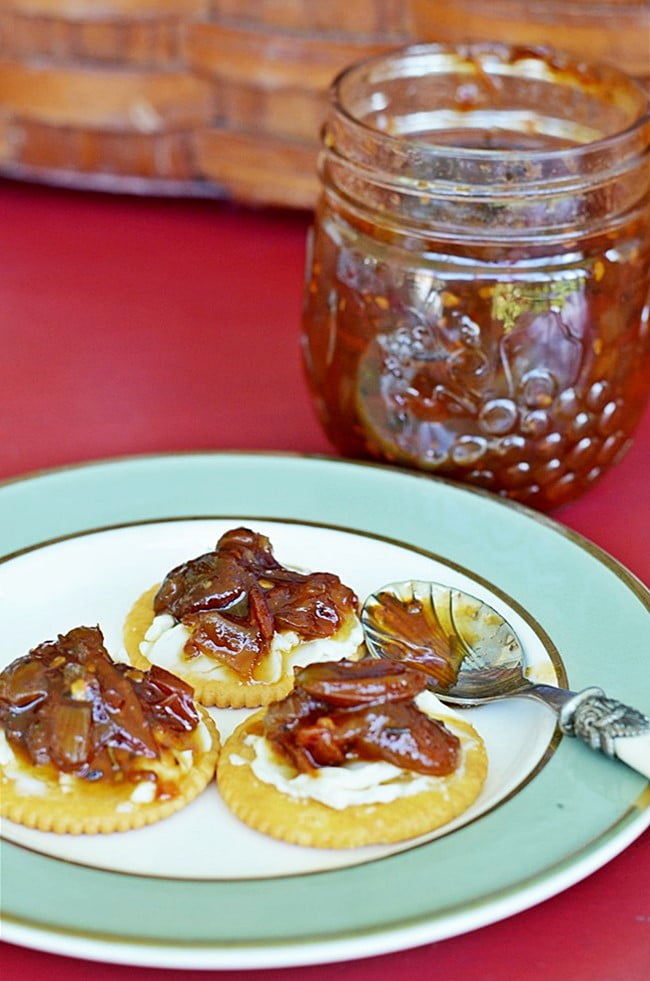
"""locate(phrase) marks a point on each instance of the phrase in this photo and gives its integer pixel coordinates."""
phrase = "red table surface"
(132, 326)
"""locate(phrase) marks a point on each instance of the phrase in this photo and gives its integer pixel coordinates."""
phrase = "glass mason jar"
(478, 281)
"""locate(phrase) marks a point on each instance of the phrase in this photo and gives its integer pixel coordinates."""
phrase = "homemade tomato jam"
(235, 598)
(478, 280)
(359, 710)
(69, 705)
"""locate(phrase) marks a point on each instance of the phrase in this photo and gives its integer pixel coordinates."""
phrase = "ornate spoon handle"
(610, 726)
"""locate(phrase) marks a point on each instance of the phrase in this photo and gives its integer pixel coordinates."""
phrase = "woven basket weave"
(226, 97)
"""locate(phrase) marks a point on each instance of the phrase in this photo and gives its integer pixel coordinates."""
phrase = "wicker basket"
(224, 97)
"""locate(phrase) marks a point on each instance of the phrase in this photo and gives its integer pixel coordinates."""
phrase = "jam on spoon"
(470, 654)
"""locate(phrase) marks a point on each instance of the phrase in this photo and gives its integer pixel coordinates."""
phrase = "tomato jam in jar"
(478, 275)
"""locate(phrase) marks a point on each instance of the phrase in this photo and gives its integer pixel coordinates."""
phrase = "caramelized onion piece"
(24, 683)
(346, 710)
(70, 739)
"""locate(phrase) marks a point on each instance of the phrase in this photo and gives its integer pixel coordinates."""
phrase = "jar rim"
(558, 65)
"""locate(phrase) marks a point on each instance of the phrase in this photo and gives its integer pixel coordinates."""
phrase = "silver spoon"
(471, 655)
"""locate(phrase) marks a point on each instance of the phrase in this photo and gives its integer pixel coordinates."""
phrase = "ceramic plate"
(201, 891)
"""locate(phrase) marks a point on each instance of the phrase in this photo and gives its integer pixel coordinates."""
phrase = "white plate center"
(94, 579)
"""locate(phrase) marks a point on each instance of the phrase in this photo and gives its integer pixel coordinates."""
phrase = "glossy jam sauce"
(234, 599)
(412, 634)
(479, 270)
(359, 710)
(69, 705)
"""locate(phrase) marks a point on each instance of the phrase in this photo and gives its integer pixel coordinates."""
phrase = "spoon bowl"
(470, 654)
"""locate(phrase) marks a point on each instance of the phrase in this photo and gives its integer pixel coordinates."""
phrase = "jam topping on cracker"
(359, 710)
(234, 599)
(67, 703)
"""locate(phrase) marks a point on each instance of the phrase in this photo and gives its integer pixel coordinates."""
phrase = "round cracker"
(229, 690)
(77, 806)
(304, 821)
